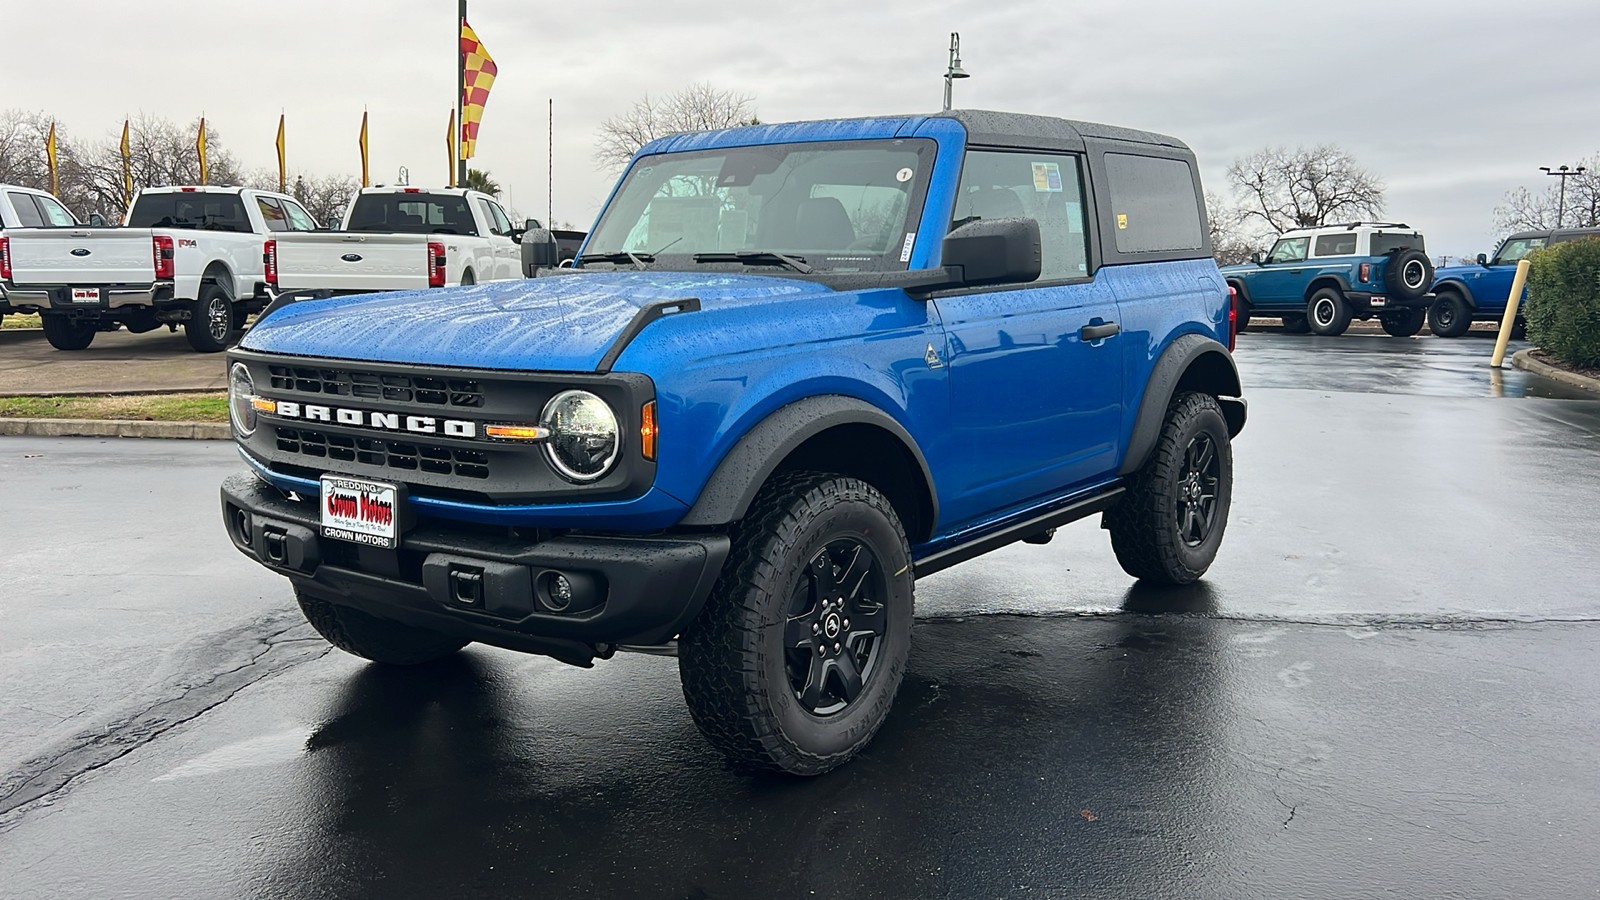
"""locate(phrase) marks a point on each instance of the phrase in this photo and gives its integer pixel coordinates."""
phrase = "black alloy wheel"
(1197, 490)
(836, 624)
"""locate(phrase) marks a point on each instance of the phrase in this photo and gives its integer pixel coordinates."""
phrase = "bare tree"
(1524, 210)
(698, 107)
(1231, 240)
(1286, 189)
(161, 153)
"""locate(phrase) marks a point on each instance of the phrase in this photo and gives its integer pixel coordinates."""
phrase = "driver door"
(1281, 281)
(507, 252)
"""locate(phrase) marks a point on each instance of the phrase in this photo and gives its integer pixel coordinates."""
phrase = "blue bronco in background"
(1479, 292)
(795, 368)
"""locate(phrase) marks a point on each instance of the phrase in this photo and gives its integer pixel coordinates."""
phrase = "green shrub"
(1564, 301)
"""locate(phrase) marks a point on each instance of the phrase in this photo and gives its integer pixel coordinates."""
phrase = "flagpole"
(461, 90)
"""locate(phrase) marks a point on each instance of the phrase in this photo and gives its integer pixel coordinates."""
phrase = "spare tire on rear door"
(1408, 274)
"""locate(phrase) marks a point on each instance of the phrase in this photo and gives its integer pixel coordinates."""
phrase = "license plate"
(85, 295)
(1379, 301)
(359, 511)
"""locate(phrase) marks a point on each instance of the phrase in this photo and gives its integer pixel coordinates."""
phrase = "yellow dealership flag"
(200, 150)
(365, 180)
(127, 164)
(450, 147)
(50, 157)
(477, 77)
(283, 173)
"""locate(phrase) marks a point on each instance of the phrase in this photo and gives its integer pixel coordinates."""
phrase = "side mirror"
(538, 251)
(1483, 260)
(96, 220)
(1257, 258)
(531, 225)
(994, 251)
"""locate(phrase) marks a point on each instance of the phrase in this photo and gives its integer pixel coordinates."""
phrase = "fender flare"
(1180, 356)
(1340, 280)
(1459, 287)
(733, 485)
(1237, 283)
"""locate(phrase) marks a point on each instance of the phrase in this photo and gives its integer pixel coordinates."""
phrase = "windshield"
(190, 209)
(1515, 249)
(412, 213)
(841, 207)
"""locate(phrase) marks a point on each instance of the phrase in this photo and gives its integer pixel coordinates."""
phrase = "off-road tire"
(1449, 316)
(734, 659)
(1408, 274)
(68, 334)
(1327, 313)
(1146, 524)
(370, 637)
(1295, 323)
(210, 327)
(1403, 322)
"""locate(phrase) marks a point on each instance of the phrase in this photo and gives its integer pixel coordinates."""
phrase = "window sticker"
(904, 175)
(905, 249)
(1047, 177)
(1122, 221)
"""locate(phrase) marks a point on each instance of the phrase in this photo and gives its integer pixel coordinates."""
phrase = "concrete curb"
(1523, 359)
(122, 428)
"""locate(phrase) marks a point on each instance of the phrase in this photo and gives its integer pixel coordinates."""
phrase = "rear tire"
(1449, 316)
(370, 637)
(1404, 322)
(1169, 525)
(1327, 313)
(68, 334)
(210, 326)
(794, 662)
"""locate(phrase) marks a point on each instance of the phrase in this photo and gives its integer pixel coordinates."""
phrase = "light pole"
(955, 71)
(1562, 173)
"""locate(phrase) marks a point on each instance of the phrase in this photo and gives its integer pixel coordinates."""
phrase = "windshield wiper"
(639, 260)
(759, 258)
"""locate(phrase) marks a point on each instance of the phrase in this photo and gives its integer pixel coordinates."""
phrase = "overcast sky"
(1451, 103)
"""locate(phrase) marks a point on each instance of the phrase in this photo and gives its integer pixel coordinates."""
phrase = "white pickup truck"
(397, 239)
(25, 207)
(187, 255)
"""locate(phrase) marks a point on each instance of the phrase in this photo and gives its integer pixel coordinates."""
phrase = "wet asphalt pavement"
(1385, 686)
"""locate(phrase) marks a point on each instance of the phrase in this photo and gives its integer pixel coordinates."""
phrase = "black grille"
(456, 392)
(406, 456)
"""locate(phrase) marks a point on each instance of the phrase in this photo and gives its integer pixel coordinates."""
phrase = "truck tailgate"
(82, 256)
(352, 262)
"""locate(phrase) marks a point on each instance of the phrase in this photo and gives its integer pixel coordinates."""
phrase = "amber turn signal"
(262, 404)
(516, 432)
(647, 430)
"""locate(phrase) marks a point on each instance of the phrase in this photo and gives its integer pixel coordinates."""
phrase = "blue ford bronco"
(795, 368)
(1479, 292)
(1318, 279)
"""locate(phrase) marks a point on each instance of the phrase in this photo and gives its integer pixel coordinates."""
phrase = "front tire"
(210, 325)
(1169, 524)
(68, 334)
(1327, 313)
(370, 637)
(794, 662)
(1449, 316)
(1403, 323)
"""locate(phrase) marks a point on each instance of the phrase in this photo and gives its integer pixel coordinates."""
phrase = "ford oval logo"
(80, 251)
(351, 257)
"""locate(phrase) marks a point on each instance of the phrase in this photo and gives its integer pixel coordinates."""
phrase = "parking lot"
(1384, 686)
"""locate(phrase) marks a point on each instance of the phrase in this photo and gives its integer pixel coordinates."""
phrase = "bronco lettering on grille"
(311, 412)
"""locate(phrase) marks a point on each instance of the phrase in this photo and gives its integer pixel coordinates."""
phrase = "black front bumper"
(485, 584)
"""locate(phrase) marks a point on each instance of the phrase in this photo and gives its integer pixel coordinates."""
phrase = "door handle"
(1099, 332)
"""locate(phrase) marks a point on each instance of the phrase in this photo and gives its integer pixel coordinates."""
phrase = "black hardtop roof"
(1007, 129)
(1551, 232)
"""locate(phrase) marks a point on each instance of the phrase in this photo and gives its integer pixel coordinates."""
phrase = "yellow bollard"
(1510, 318)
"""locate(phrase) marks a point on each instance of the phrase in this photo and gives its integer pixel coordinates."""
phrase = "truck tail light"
(1233, 317)
(1366, 271)
(5, 259)
(161, 251)
(436, 264)
(647, 430)
(269, 262)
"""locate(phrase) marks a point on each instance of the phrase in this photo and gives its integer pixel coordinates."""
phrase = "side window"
(1515, 250)
(502, 224)
(1154, 205)
(55, 213)
(299, 219)
(272, 213)
(1337, 245)
(1289, 250)
(1045, 187)
(27, 213)
(484, 207)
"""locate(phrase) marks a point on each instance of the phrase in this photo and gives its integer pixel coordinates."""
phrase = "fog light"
(560, 592)
(569, 592)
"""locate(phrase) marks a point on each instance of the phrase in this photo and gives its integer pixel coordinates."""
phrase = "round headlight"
(241, 398)
(584, 441)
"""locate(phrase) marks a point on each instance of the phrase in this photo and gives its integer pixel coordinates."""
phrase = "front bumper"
(1369, 302)
(58, 296)
(488, 585)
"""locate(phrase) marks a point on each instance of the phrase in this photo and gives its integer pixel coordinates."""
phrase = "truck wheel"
(370, 637)
(210, 322)
(1449, 316)
(1327, 313)
(795, 660)
(1295, 323)
(68, 334)
(1404, 322)
(1408, 274)
(1169, 524)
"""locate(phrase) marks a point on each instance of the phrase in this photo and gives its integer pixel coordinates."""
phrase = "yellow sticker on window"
(1122, 221)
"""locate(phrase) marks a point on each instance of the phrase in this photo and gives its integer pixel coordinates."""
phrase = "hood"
(1238, 267)
(558, 323)
(1458, 271)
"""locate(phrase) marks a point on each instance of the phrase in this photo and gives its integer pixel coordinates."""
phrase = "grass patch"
(18, 320)
(157, 408)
